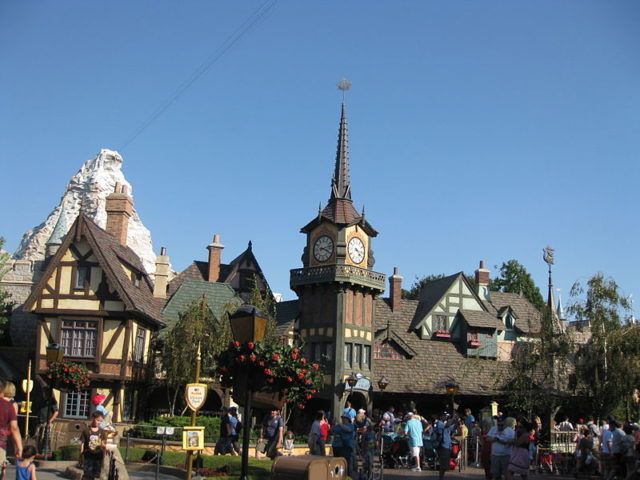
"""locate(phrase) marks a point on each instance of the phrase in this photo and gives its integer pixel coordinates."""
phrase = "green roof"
(218, 295)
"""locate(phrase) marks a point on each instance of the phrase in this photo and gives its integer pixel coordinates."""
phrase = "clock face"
(323, 248)
(356, 250)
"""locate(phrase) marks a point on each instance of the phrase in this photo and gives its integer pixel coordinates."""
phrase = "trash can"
(309, 467)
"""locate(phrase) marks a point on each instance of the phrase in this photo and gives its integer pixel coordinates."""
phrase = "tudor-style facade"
(95, 300)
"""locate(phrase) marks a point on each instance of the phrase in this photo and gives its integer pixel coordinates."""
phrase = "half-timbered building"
(96, 301)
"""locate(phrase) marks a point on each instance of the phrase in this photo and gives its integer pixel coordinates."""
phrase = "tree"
(607, 366)
(264, 301)
(514, 278)
(197, 325)
(6, 305)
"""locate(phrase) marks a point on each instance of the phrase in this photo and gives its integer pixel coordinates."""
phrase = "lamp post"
(54, 354)
(452, 389)
(248, 324)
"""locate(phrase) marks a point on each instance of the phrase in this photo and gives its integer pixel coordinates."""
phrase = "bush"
(148, 429)
(67, 452)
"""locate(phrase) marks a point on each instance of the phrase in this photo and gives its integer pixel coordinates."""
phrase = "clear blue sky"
(478, 129)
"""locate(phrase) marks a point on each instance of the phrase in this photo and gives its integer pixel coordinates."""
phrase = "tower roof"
(341, 183)
(60, 229)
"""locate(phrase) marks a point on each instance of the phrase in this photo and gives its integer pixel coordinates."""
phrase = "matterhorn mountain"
(89, 188)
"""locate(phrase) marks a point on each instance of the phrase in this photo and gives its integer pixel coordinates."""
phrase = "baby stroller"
(399, 453)
(455, 460)
(429, 455)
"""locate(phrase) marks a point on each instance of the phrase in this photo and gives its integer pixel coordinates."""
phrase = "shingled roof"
(528, 319)
(429, 296)
(137, 299)
(218, 295)
(480, 319)
(435, 364)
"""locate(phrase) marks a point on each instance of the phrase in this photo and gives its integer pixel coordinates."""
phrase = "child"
(25, 468)
(91, 450)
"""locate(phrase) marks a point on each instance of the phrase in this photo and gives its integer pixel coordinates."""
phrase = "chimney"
(215, 257)
(482, 281)
(395, 287)
(119, 207)
(162, 275)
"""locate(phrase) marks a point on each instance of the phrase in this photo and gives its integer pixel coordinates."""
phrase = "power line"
(211, 60)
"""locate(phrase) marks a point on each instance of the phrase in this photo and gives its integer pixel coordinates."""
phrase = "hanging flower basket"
(281, 370)
(442, 334)
(68, 375)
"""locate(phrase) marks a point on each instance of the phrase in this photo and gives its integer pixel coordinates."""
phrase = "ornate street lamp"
(452, 389)
(248, 324)
(352, 380)
(383, 383)
(54, 354)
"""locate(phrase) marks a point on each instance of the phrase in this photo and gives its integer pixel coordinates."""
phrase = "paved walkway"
(53, 474)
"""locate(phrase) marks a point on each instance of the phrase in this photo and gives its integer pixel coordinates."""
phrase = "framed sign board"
(193, 438)
(195, 394)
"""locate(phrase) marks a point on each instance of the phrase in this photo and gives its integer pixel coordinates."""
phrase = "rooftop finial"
(344, 84)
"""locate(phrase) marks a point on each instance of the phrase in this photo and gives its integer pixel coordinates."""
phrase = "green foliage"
(514, 278)
(264, 301)
(69, 375)
(419, 284)
(6, 305)
(608, 365)
(67, 453)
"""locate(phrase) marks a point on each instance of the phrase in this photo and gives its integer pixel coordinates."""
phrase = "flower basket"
(269, 369)
(442, 334)
(68, 375)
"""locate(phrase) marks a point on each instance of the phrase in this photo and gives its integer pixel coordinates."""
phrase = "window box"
(442, 334)
(474, 343)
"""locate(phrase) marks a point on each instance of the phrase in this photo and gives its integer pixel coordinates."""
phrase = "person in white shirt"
(501, 437)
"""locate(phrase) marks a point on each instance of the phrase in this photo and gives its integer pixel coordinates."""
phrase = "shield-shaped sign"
(195, 394)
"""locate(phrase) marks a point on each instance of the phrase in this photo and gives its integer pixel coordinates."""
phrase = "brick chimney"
(482, 281)
(119, 208)
(215, 258)
(162, 274)
(395, 289)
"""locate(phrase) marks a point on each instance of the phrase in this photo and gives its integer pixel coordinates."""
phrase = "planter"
(259, 399)
(474, 343)
(442, 334)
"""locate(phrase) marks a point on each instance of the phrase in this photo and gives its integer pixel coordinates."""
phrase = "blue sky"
(478, 129)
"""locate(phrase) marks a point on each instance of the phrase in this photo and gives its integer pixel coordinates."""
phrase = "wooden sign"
(195, 395)
(193, 438)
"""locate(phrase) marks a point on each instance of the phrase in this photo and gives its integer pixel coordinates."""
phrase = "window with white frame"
(440, 323)
(76, 404)
(79, 338)
(138, 351)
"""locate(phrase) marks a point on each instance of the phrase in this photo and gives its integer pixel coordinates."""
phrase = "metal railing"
(344, 273)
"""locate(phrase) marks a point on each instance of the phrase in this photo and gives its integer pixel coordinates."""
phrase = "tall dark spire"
(341, 183)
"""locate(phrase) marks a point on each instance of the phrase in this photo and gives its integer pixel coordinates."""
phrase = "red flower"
(295, 350)
(261, 364)
(267, 371)
(251, 345)
(307, 382)
(303, 360)
(301, 407)
(309, 397)
(237, 344)
(301, 375)
(304, 370)
(314, 391)
(275, 357)
(289, 379)
(252, 357)
(294, 355)
(316, 366)
(241, 358)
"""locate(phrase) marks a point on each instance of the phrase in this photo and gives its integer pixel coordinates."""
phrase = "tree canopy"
(514, 278)
(5, 304)
(607, 367)
(419, 284)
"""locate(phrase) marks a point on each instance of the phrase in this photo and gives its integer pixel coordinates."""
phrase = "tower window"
(366, 355)
(357, 355)
(83, 275)
(348, 352)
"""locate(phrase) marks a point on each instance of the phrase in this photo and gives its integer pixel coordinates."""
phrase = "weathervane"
(547, 255)
(344, 84)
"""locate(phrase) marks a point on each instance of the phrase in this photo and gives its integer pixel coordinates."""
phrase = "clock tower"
(336, 288)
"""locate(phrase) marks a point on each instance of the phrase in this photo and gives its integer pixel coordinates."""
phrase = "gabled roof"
(218, 295)
(110, 254)
(528, 319)
(435, 364)
(429, 297)
(480, 319)
(286, 316)
(388, 334)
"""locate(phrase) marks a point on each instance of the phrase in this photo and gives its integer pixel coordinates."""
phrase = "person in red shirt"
(8, 423)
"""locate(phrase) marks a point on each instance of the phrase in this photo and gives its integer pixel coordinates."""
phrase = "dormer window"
(83, 274)
(136, 277)
(508, 321)
(440, 323)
